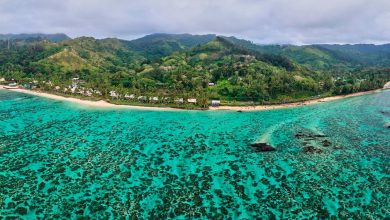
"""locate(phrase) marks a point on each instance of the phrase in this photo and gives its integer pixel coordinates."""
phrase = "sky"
(262, 21)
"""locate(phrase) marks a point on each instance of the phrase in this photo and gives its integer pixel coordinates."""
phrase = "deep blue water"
(61, 160)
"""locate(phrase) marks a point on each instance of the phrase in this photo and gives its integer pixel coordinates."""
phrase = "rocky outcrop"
(311, 149)
(263, 147)
(313, 142)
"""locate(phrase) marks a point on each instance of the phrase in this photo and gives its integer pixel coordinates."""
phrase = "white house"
(179, 100)
(113, 94)
(153, 98)
(215, 103)
(97, 92)
(75, 82)
(191, 101)
(127, 96)
(211, 84)
(143, 98)
(387, 86)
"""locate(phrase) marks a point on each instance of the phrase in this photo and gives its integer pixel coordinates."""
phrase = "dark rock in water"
(263, 147)
(299, 135)
(311, 149)
(239, 111)
(320, 135)
(326, 143)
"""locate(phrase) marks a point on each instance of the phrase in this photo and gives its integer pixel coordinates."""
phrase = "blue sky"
(262, 21)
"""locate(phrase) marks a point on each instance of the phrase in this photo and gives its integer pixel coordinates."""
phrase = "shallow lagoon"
(60, 160)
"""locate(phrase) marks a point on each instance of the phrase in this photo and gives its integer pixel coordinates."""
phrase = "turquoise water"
(60, 160)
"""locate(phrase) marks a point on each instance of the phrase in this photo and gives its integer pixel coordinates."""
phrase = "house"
(179, 100)
(27, 85)
(88, 93)
(153, 99)
(2, 79)
(113, 94)
(386, 86)
(142, 98)
(193, 101)
(12, 86)
(211, 84)
(75, 82)
(57, 88)
(127, 96)
(81, 92)
(97, 92)
(215, 103)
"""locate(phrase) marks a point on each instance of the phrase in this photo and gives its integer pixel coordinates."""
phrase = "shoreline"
(105, 104)
(88, 103)
(294, 104)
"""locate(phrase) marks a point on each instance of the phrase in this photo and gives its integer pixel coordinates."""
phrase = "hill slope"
(196, 66)
(155, 46)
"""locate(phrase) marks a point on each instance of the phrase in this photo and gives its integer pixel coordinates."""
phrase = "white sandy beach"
(89, 103)
(293, 104)
(104, 104)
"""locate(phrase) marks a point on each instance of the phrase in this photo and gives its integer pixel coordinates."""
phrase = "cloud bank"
(263, 21)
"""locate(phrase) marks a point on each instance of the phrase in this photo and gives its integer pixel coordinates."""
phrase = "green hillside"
(160, 69)
(155, 46)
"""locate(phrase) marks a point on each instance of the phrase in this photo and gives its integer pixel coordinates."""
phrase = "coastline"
(104, 104)
(293, 104)
(88, 103)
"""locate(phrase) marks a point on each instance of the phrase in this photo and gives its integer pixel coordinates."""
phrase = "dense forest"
(190, 70)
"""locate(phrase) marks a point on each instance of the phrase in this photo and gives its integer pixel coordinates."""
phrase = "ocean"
(62, 160)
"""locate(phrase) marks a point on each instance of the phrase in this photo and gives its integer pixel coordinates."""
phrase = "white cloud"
(263, 21)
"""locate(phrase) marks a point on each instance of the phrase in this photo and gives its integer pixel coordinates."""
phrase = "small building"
(142, 98)
(179, 100)
(57, 88)
(386, 86)
(12, 86)
(127, 96)
(81, 92)
(155, 99)
(88, 93)
(97, 92)
(193, 101)
(113, 94)
(27, 85)
(75, 82)
(211, 84)
(215, 103)
(2, 79)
